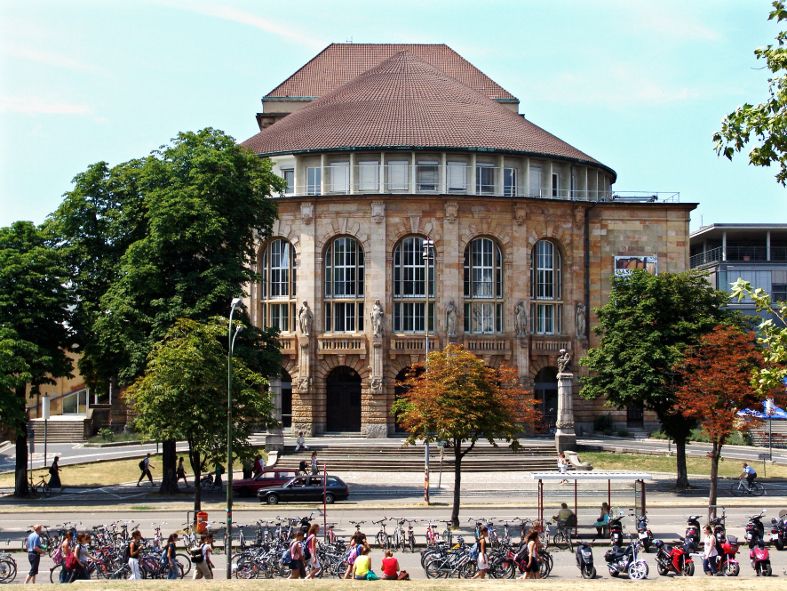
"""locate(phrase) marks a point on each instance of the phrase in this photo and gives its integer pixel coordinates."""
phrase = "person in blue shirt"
(34, 551)
(748, 473)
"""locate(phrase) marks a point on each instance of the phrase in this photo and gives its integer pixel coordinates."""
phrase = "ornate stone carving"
(378, 211)
(582, 326)
(305, 318)
(307, 212)
(450, 319)
(303, 384)
(376, 385)
(563, 361)
(520, 319)
(451, 211)
(520, 214)
(377, 319)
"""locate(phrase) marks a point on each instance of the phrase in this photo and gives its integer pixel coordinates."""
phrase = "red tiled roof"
(404, 103)
(339, 63)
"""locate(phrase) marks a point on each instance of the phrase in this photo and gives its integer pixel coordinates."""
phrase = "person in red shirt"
(390, 568)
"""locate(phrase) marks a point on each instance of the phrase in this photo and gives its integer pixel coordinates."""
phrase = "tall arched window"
(546, 310)
(483, 287)
(410, 286)
(277, 266)
(344, 285)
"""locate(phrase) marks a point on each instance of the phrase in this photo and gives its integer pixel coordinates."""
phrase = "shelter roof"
(595, 475)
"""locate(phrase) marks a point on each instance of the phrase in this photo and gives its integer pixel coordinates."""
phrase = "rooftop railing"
(739, 254)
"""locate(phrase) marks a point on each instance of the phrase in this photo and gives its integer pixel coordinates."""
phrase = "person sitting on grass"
(390, 568)
(363, 565)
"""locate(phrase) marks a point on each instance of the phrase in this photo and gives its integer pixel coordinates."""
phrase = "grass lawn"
(96, 473)
(603, 460)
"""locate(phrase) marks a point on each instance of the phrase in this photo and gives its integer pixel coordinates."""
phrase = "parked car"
(306, 488)
(249, 486)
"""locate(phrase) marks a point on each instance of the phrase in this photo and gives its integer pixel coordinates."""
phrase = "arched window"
(546, 310)
(483, 287)
(344, 285)
(277, 267)
(410, 286)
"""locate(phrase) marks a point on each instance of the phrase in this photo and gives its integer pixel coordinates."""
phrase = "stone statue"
(563, 361)
(376, 385)
(520, 319)
(377, 319)
(305, 318)
(450, 319)
(581, 321)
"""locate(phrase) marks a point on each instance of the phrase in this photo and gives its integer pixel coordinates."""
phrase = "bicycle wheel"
(736, 489)
(434, 570)
(7, 570)
(54, 573)
(184, 562)
(411, 544)
(468, 569)
(381, 539)
(756, 489)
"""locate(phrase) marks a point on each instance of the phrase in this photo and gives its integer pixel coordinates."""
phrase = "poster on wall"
(625, 265)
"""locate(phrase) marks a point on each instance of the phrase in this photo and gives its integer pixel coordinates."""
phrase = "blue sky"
(639, 85)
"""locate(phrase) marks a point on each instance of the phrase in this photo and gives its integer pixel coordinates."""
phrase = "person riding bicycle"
(749, 474)
(565, 517)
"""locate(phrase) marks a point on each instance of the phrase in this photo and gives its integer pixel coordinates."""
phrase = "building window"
(289, 179)
(483, 287)
(555, 184)
(398, 177)
(344, 275)
(426, 177)
(369, 176)
(456, 173)
(509, 182)
(485, 179)
(779, 286)
(410, 286)
(75, 403)
(546, 311)
(277, 267)
(535, 181)
(313, 180)
(339, 177)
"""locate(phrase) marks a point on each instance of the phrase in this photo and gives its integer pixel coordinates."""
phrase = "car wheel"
(272, 499)
(329, 498)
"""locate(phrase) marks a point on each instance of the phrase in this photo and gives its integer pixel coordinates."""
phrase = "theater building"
(423, 209)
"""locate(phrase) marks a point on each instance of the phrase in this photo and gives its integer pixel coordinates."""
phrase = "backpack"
(142, 464)
(286, 558)
(57, 555)
(475, 550)
(71, 559)
(305, 548)
(196, 555)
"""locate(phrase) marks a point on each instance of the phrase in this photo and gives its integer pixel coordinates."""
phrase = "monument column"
(565, 437)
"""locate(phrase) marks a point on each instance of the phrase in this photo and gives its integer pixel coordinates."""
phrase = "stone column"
(565, 437)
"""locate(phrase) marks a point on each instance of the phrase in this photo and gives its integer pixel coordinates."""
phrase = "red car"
(270, 478)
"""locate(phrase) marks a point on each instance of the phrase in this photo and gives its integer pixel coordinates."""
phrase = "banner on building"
(625, 265)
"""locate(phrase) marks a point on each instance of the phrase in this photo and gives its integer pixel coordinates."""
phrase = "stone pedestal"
(565, 437)
(274, 439)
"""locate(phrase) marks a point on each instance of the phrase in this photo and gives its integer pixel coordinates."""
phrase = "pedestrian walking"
(562, 466)
(248, 467)
(54, 474)
(66, 547)
(356, 544)
(296, 556)
(302, 469)
(204, 568)
(259, 466)
(173, 571)
(80, 572)
(134, 551)
(709, 552)
(180, 472)
(311, 546)
(300, 442)
(315, 468)
(483, 559)
(145, 466)
(35, 549)
(218, 471)
(532, 567)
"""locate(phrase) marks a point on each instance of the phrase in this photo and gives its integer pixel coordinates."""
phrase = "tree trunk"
(21, 488)
(457, 483)
(682, 482)
(196, 466)
(714, 479)
(169, 483)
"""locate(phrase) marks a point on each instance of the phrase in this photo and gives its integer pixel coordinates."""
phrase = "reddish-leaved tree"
(716, 382)
(459, 399)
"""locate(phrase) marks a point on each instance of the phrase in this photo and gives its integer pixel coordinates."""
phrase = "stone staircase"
(372, 457)
(61, 429)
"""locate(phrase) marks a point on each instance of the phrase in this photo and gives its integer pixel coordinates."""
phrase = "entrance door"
(635, 416)
(546, 394)
(343, 400)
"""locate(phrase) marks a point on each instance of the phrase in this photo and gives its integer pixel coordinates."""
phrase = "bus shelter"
(595, 477)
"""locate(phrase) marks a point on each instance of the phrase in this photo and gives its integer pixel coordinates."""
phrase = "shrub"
(603, 424)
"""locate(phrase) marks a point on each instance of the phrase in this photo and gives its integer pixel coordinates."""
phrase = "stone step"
(59, 430)
(468, 465)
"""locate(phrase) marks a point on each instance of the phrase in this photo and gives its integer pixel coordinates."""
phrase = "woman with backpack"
(310, 552)
(204, 568)
(134, 551)
(532, 567)
(82, 558)
(296, 556)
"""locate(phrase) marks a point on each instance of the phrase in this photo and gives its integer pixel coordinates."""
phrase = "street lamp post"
(428, 254)
(236, 303)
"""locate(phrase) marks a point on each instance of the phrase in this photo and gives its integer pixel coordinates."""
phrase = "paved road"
(666, 523)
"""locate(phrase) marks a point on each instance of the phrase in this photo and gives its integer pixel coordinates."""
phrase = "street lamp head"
(236, 302)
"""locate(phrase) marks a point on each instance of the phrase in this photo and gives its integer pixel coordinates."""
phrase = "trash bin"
(202, 522)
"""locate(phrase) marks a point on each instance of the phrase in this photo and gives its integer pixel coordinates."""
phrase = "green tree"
(765, 124)
(183, 394)
(34, 328)
(771, 335)
(645, 328)
(458, 399)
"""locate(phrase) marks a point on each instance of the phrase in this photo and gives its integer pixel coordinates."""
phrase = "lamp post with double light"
(428, 254)
(236, 303)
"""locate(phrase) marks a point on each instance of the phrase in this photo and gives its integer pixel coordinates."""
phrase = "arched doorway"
(343, 404)
(399, 391)
(546, 394)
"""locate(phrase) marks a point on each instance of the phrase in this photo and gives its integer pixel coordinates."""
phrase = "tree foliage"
(764, 124)
(458, 399)
(715, 383)
(35, 333)
(183, 394)
(772, 336)
(645, 328)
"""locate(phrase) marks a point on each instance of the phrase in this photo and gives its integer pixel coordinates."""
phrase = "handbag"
(71, 560)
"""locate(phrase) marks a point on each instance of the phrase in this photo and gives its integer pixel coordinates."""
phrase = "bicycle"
(742, 488)
(40, 488)
(410, 536)
(7, 566)
(382, 538)
(399, 539)
(562, 537)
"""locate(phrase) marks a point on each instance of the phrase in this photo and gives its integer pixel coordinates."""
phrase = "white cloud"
(668, 20)
(243, 17)
(57, 60)
(41, 106)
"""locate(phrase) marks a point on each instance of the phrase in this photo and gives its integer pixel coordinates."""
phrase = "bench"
(576, 463)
